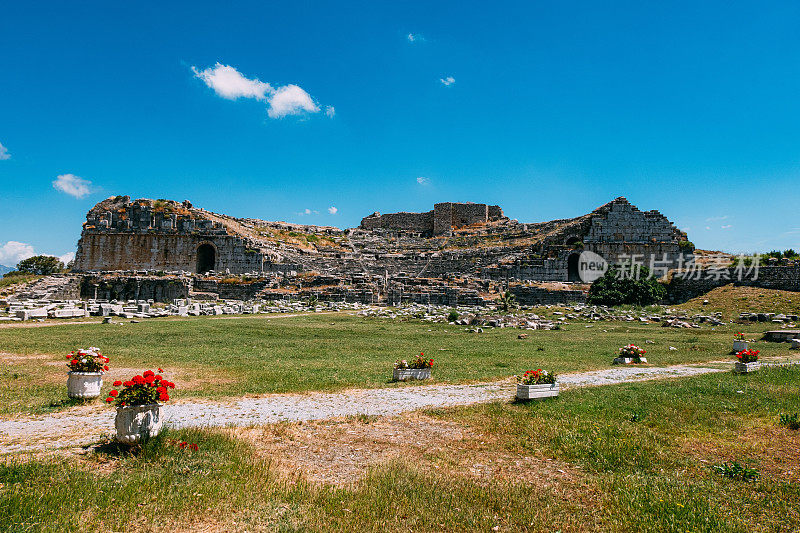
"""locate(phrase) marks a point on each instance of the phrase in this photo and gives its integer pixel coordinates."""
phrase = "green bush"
(615, 289)
(452, 316)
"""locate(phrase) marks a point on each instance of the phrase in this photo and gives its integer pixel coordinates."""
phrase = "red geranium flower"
(109, 399)
(113, 393)
(139, 380)
(149, 373)
(117, 383)
(127, 383)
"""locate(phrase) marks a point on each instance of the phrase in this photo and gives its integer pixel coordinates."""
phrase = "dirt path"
(83, 425)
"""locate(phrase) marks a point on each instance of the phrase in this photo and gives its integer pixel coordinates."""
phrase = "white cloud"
(422, 180)
(4, 153)
(13, 252)
(415, 37)
(332, 210)
(727, 226)
(448, 81)
(229, 83)
(708, 227)
(716, 219)
(72, 185)
(290, 100)
(67, 257)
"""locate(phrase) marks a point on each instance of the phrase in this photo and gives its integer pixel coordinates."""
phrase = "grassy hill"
(731, 300)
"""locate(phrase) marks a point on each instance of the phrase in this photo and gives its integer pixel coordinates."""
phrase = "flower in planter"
(632, 351)
(536, 377)
(418, 362)
(87, 360)
(144, 389)
(748, 356)
(738, 336)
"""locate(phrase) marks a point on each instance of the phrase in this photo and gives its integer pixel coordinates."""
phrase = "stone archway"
(572, 267)
(206, 257)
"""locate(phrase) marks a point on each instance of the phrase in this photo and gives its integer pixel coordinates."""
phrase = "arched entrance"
(572, 267)
(206, 258)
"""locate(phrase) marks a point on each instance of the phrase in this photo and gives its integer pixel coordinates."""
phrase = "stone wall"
(120, 234)
(681, 289)
(122, 251)
(540, 296)
(135, 288)
(441, 221)
(415, 222)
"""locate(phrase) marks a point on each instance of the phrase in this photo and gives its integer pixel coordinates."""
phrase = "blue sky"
(547, 109)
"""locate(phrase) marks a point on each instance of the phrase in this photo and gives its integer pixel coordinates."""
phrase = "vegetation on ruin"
(296, 238)
(617, 287)
(214, 358)
(631, 457)
(15, 277)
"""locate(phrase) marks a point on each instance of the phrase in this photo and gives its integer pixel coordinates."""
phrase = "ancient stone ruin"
(457, 253)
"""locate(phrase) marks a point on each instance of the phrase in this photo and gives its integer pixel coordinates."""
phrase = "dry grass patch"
(773, 450)
(341, 452)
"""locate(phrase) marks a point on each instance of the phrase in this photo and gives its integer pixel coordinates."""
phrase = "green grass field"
(213, 358)
(638, 456)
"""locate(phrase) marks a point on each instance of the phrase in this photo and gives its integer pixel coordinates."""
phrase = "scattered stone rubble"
(12, 310)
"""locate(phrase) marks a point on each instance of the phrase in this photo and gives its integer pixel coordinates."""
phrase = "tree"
(41, 265)
(507, 301)
(615, 289)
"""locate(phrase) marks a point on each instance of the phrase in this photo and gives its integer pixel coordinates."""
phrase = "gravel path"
(83, 425)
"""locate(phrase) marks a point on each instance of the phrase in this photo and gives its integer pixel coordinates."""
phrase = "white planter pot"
(531, 392)
(84, 385)
(629, 360)
(408, 374)
(739, 346)
(136, 423)
(744, 368)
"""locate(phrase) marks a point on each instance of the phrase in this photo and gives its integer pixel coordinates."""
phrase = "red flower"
(109, 399)
(193, 447)
(160, 370)
(182, 445)
(158, 377)
(127, 384)
(117, 383)
(149, 373)
(139, 380)
(149, 379)
(113, 393)
(163, 397)
(105, 368)
(161, 390)
(74, 362)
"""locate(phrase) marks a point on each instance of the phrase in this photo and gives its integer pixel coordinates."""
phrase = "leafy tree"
(41, 265)
(615, 289)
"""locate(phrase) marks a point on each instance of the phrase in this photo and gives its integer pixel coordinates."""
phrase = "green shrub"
(452, 316)
(615, 289)
(790, 421)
